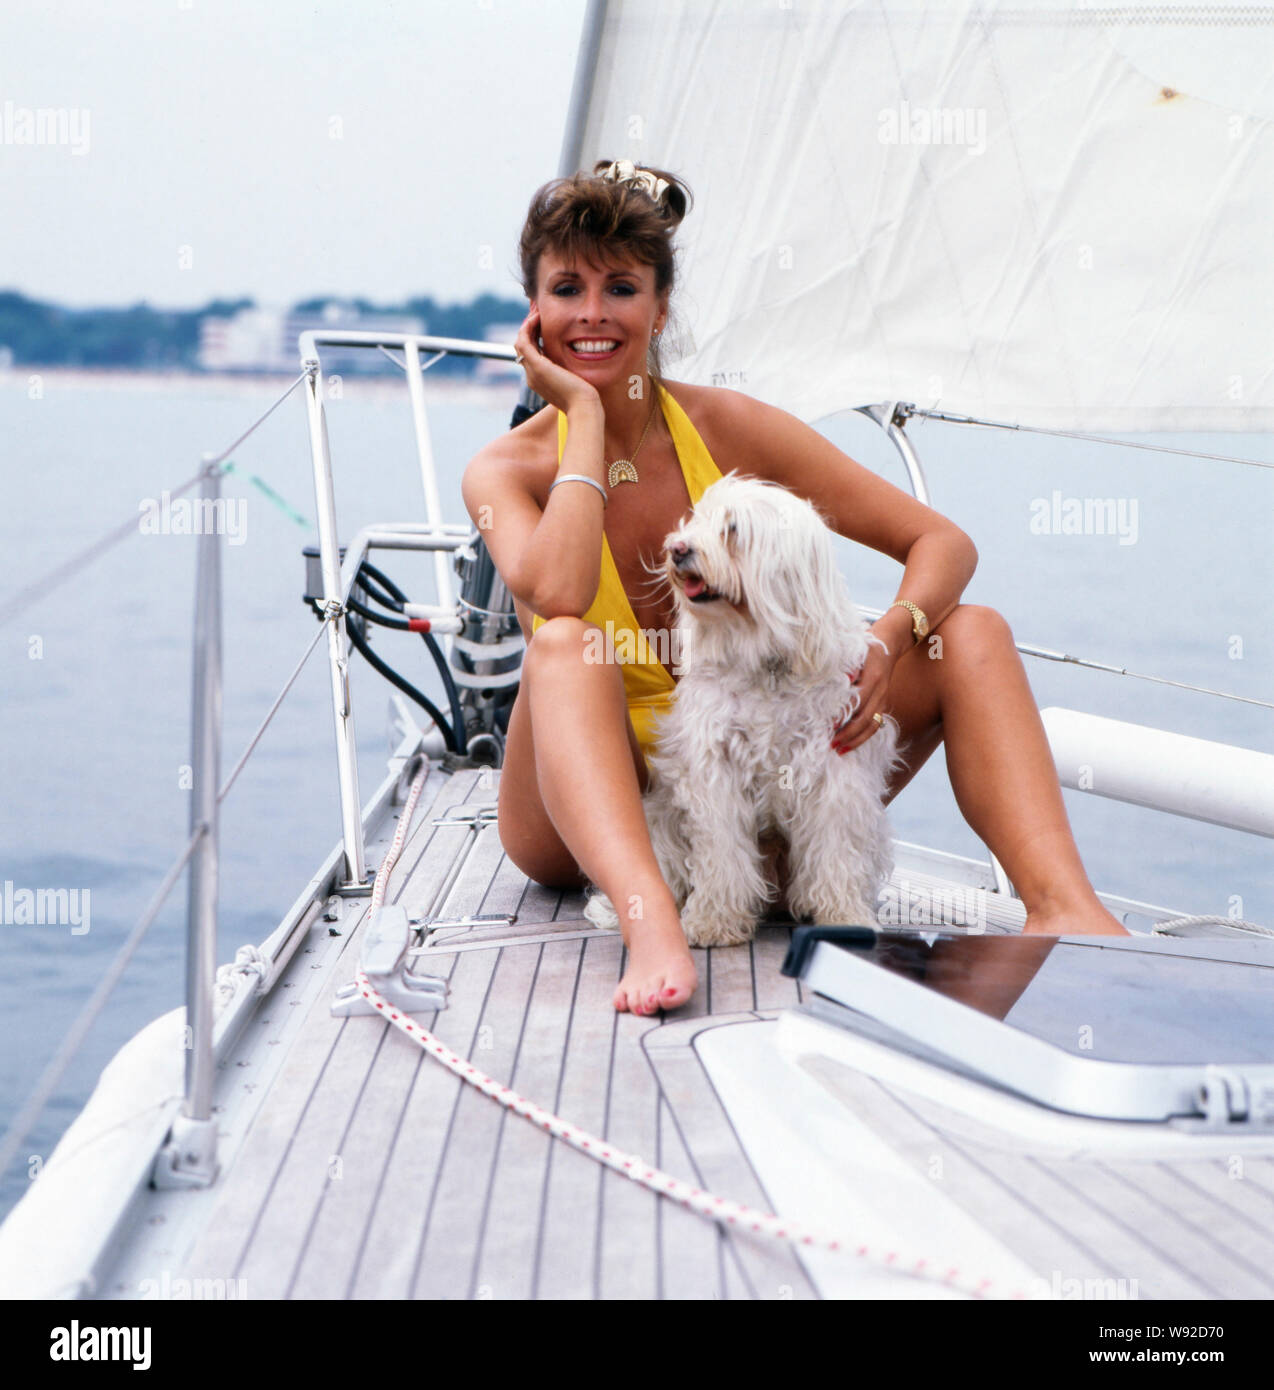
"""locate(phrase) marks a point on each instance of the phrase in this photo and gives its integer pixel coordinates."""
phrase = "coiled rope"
(719, 1209)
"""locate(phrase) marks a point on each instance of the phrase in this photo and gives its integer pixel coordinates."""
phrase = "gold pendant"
(621, 471)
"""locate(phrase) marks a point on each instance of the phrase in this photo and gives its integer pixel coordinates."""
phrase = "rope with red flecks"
(720, 1209)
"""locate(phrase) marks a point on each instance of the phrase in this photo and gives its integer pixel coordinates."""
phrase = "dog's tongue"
(694, 586)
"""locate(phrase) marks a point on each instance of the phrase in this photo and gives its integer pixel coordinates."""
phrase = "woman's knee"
(547, 871)
(973, 627)
(970, 633)
(559, 638)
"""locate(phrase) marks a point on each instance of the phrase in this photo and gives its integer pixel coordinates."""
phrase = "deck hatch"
(1114, 1029)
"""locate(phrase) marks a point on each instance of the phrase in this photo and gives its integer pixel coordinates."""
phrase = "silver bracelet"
(581, 478)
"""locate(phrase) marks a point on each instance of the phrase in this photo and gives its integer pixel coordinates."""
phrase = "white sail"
(1031, 212)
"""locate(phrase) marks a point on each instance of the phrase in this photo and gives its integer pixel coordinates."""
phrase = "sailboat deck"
(361, 1168)
(372, 1172)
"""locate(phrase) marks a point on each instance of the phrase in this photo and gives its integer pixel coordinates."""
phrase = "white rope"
(719, 1209)
(1164, 928)
(248, 960)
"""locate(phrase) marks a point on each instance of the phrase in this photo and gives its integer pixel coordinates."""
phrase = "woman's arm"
(551, 558)
(938, 558)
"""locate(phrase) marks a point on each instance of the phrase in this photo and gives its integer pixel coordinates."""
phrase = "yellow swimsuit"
(647, 684)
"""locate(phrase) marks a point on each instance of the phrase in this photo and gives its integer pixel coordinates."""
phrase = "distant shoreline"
(439, 388)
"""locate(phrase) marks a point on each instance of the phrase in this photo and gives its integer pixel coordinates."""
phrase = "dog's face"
(701, 561)
(754, 564)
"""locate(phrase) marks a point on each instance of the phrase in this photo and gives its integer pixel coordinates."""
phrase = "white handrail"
(338, 578)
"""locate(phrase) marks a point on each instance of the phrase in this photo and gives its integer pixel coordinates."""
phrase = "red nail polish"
(669, 992)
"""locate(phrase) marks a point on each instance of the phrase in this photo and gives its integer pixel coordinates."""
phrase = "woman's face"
(584, 308)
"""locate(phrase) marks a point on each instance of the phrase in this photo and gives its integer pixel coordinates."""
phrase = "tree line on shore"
(39, 333)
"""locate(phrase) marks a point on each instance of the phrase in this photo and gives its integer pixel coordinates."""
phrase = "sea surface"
(95, 685)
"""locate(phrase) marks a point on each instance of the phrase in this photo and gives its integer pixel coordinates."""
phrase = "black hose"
(394, 598)
(392, 676)
(393, 604)
(385, 581)
(399, 624)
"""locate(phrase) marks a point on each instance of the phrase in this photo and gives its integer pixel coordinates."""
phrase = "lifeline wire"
(703, 1203)
(265, 723)
(14, 606)
(257, 423)
(53, 1072)
(1088, 438)
(1045, 654)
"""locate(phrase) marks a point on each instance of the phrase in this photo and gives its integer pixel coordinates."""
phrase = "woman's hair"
(586, 217)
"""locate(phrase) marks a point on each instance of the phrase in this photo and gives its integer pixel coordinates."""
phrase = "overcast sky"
(373, 147)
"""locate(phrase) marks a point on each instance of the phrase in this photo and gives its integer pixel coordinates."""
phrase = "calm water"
(95, 694)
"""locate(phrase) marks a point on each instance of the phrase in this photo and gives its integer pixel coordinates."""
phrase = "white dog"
(768, 634)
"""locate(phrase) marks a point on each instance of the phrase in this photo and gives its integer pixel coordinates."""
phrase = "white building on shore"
(265, 339)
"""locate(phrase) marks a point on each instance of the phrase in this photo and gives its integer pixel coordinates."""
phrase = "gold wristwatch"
(919, 623)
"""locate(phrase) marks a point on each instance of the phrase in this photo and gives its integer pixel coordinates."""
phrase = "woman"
(574, 505)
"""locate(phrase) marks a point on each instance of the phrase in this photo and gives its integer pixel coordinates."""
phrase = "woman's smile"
(593, 349)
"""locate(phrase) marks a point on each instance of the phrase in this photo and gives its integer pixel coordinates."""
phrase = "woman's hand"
(870, 684)
(557, 385)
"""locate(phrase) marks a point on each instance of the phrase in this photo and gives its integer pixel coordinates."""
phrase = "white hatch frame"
(893, 1008)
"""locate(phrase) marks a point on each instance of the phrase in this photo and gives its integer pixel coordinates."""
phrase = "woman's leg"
(976, 697)
(570, 801)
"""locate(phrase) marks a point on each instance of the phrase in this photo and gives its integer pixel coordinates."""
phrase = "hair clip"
(625, 171)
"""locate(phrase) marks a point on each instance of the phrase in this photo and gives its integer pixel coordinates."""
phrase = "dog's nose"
(679, 551)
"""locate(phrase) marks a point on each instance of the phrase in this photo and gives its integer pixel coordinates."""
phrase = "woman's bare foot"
(1077, 919)
(661, 971)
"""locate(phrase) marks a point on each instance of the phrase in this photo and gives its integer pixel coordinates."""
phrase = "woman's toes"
(620, 999)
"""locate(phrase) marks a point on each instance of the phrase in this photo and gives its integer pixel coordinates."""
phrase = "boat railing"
(1196, 778)
(188, 1155)
(338, 577)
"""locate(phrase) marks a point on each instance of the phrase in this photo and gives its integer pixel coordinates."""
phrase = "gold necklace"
(624, 470)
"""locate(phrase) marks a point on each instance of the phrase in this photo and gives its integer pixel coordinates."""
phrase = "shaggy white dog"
(767, 634)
